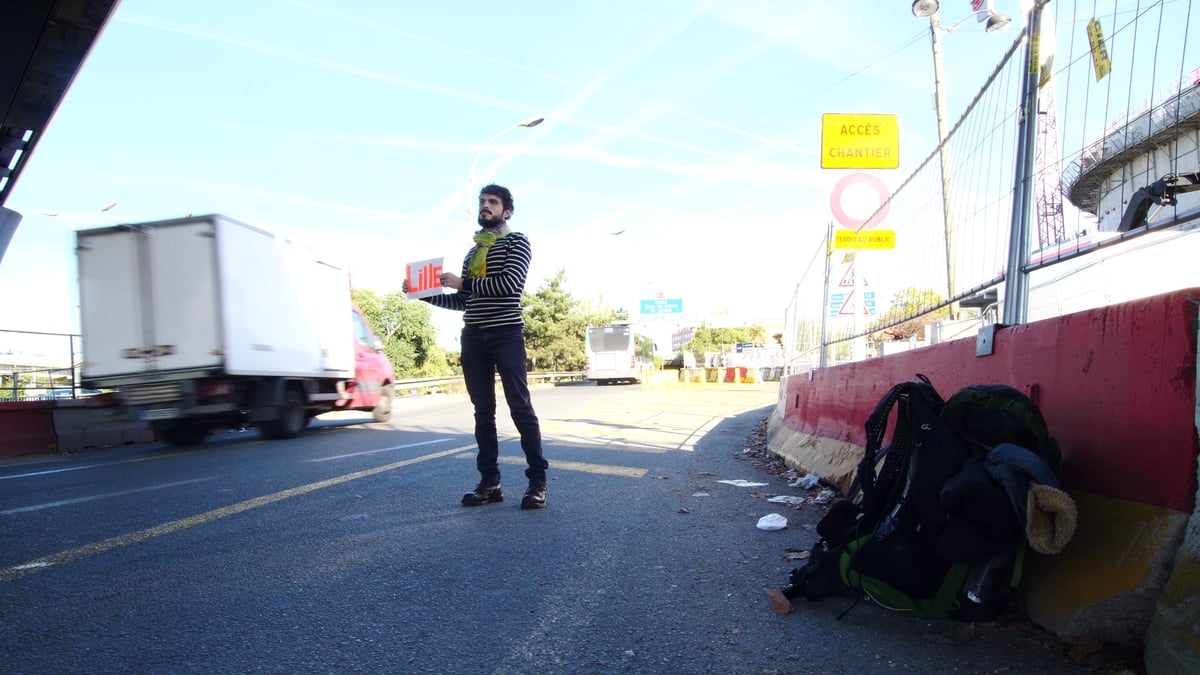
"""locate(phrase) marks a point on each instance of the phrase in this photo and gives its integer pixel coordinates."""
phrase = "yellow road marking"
(627, 471)
(71, 555)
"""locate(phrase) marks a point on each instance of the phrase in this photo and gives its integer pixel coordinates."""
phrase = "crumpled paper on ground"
(771, 522)
(808, 481)
(740, 482)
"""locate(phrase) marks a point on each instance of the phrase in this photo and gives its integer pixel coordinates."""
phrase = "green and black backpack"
(923, 529)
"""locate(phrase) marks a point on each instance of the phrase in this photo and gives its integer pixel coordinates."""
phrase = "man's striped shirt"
(494, 300)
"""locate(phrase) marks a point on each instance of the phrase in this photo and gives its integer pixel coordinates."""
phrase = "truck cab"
(373, 386)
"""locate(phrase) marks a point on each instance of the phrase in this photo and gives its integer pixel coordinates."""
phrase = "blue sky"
(691, 128)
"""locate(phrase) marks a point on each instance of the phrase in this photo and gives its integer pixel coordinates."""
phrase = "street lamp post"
(939, 94)
(995, 22)
(527, 124)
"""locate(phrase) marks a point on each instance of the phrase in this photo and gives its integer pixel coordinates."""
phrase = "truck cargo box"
(208, 294)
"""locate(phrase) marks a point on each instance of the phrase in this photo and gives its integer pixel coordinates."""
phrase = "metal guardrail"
(430, 385)
(456, 384)
(36, 365)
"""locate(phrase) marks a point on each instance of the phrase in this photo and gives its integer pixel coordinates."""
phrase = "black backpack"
(907, 536)
(986, 415)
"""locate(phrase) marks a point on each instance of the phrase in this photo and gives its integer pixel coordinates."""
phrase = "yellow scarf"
(477, 267)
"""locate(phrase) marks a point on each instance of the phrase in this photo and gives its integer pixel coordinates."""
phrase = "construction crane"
(1048, 187)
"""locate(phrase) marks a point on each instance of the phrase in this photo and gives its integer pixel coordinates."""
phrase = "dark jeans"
(485, 351)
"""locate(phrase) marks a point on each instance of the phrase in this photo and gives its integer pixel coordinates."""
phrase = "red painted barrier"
(1117, 387)
(27, 427)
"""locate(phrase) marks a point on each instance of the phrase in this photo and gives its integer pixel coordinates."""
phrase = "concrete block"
(79, 426)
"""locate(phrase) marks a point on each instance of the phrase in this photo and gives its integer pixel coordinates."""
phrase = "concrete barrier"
(1117, 386)
(662, 379)
(26, 427)
(79, 426)
(65, 425)
(689, 377)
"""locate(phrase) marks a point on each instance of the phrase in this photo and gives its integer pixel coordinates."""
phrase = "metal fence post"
(1016, 284)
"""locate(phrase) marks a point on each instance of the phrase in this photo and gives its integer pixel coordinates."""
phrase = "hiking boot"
(483, 494)
(535, 497)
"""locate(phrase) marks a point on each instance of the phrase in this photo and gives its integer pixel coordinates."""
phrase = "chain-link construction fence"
(1009, 218)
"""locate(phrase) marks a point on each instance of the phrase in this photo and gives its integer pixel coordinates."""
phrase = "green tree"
(904, 309)
(409, 336)
(706, 340)
(555, 324)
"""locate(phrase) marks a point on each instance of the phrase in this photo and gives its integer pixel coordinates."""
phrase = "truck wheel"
(182, 434)
(383, 409)
(292, 418)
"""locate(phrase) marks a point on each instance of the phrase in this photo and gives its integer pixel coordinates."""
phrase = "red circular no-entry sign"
(878, 213)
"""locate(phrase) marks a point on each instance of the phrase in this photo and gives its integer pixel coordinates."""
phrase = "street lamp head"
(528, 124)
(997, 22)
(924, 8)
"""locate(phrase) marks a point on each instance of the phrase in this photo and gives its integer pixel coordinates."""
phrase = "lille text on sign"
(428, 276)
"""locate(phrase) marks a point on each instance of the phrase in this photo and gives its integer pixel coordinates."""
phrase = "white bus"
(618, 354)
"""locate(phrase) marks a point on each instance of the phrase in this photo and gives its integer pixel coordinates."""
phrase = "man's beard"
(488, 223)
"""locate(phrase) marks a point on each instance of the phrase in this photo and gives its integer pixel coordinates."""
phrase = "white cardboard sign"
(424, 278)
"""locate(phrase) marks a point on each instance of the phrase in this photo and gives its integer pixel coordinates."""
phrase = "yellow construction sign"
(864, 239)
(1100, 60)
(860, 141)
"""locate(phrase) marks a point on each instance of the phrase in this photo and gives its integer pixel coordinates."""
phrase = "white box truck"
(204, 322)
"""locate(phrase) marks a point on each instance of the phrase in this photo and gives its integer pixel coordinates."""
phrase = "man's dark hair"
(501, 192)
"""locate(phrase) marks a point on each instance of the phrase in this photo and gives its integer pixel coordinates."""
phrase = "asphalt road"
(346, 550)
